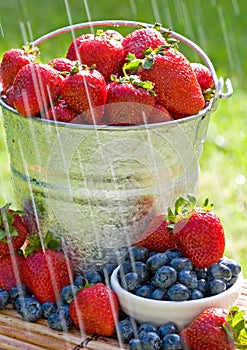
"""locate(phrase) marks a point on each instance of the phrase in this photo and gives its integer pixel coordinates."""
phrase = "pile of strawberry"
(107, 79)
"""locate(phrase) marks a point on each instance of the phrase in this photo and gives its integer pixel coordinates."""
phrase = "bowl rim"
(180, 304)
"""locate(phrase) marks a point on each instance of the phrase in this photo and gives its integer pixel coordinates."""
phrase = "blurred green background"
(219, 28)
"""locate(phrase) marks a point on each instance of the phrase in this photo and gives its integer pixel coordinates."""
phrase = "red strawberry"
(45, 271)
(104, 51)
(175, 83)
(158, 236)
(198, 232)
(129, 101)
(10, 270)
(72, 53)
(159, 115)
(13, 231)
(60, 112)
(13, 60)
(216, 329)
(61, 64)
(139, 40)
(36, 86)
(95, 310)
(10, 97)
(84, 90)
(203, 75)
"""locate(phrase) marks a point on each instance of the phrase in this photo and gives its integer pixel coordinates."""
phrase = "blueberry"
(232, 264)
(216, 286)
(137, 253)
(18, 303)
(172, 342)
(16, 291)
(144, 291)
(131, 281)
(178, 292)
(181, 263)
(80, 281)
(219, 271)
(68, 293)
(125, 267)
(196, 294)
(202, 285)
(47, 308)
(135, 344)
(151, 341)
(125, 330)
(146, 327)
(159, 294)
(30, 309)
(59, 321)
(173, 253)
(188, 278)
(231, 282)
(165, 277)
(93, 277)
(141, 269)
(167, 328)
(201, 273)
(4, 298)
(156, 261)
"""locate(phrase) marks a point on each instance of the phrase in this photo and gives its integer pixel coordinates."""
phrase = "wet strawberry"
(203, 75)
(176, 85)
(139, 40)
(209, 331)
(103, 51)
(10, 270)
(84, 90)
(61, 64)
(199, 233)
(45, 271)
(36, 86)
(13, 60)
(129, 101)
(95, 310)
(72, 53)
(158, 237)
(159, 115)
(13, 231)
(60, 112)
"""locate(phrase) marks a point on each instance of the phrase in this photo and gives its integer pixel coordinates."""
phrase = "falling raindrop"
(156, 11)
(133, 7)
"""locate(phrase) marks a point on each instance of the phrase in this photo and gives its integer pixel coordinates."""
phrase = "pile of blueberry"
(147, 336)
(171, 276)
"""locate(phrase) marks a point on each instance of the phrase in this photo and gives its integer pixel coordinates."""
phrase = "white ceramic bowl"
(182, 313)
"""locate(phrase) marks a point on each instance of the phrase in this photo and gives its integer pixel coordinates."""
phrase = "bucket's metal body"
(97, 187)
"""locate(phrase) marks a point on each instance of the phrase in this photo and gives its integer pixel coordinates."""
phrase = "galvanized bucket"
(97, 187)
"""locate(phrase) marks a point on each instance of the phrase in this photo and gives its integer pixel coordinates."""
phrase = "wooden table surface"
(16, 334)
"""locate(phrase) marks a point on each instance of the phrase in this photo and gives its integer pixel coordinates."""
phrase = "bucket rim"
(218, 83)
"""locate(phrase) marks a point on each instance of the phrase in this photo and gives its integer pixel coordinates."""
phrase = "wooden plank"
(16, 334)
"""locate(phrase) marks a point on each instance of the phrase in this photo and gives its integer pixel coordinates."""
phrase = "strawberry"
(129, 101)
(36, 86)
(175, 83)
(104, 51)
(84, 90)
(13, 60)
(10, 97)
(203, 75)
(199, 233)
(60, 112)
(95, 309)
(159, 115)
(141, 39)
(72, 53)
(157, 236)
(10, 270)
(61, 64)
(13, 231)
(217, 329)
(46, 270)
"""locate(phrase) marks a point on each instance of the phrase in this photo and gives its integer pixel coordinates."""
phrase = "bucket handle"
(229, 88)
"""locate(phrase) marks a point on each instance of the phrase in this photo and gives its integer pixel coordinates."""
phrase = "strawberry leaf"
(237, 327)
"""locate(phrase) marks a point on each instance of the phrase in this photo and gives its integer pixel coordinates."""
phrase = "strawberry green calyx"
(208, 94)
(37, 242)
(7, 221)
(236, 327)
(79, 67)
(134, 80)
(183, 208)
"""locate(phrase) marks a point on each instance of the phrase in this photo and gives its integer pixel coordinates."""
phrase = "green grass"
(219, 27)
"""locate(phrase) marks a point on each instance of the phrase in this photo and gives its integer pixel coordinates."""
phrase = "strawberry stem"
(37, 242)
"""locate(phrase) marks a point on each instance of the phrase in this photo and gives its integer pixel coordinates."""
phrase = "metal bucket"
(97, 187)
